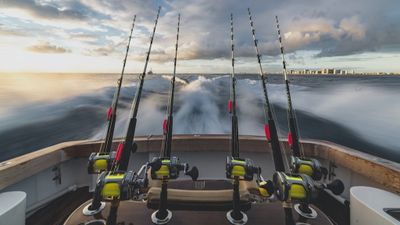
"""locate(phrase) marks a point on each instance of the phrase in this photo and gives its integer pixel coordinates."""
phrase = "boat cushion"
(200, 195)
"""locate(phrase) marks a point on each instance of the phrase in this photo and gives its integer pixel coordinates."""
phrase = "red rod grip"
(267, 132)
(119, 151)
(164, 126)
(290, 139)
(109, 113)
(230, 106)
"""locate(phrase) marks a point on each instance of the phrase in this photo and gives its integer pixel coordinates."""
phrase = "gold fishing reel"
(114, 186)
(244, 169)
(307, 166)
(169, 168)
(302, 189)
(99, 162)
(292, 186)
(298, 188)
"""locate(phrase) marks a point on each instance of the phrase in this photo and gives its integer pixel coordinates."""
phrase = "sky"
(91, 35)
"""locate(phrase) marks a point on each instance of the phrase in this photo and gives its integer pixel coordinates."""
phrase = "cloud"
(325, 27)
(43, 10)
(6, 31)
(68, 10)
(106, 50)
(307, 25)
(46, 47)
(84, 37)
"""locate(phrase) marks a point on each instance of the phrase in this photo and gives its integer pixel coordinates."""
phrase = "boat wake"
(339, 114)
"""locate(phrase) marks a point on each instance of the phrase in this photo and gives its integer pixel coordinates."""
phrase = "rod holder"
(162, 215)
(236, 216)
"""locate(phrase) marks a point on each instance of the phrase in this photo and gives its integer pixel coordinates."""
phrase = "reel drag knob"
(193, 173)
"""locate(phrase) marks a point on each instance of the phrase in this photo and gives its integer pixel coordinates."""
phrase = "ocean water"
(39, 110)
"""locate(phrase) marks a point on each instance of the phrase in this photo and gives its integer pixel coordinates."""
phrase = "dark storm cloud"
(47, 48)
(334, 28)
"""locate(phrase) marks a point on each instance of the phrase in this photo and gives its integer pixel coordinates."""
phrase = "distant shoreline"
(201, 74)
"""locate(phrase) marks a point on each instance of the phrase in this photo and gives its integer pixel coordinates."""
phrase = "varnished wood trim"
(381, 171)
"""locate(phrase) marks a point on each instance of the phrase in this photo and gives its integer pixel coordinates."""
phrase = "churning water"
(36, 110)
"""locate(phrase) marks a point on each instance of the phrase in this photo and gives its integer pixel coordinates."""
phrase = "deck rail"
(381, 171)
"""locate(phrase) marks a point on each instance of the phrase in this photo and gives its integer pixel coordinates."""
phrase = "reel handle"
(193, 173)
(336, 186)
(155, 164)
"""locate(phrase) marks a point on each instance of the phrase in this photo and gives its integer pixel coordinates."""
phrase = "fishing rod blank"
(271, 132)
(293, 135)
(270, 128)
(235, 216)
(299, 163)
(112, 111)
(232, 102)
(305, 169)
(163, 215)
(103, 159)
(125, 148)
(166, 167)
(238, 169)
(168, 123)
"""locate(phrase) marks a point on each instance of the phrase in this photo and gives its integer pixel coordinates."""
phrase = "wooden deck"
(136, 213)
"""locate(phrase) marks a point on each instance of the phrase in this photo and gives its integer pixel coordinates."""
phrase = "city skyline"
(91, 35)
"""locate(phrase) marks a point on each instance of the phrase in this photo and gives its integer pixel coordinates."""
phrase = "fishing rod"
(235, 216)
(166, 167)
(304, 171)
(125, 148)
(271, 132)
(168, 123)
(112, 111)
(293, 135)
(103, 155)
(239, 169)
(299, 163)
(118, 174)
(232, 102)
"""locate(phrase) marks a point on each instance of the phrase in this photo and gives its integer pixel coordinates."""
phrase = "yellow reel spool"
(238, 171)
(297, 191)
(111, 188)
(306, 169)
(163, 172)
(100, 165)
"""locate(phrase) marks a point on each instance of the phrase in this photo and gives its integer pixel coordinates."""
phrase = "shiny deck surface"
(137, 213)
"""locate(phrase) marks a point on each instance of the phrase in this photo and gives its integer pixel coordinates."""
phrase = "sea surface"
(39, 110)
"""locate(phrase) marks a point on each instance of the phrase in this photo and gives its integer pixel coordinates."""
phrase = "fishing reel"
(99, 162)
(307, 166)
(239, 169)
(302, 189)
(242, 168)
(112, 186)
(165, 169)
(169, 168)
(296, 187)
